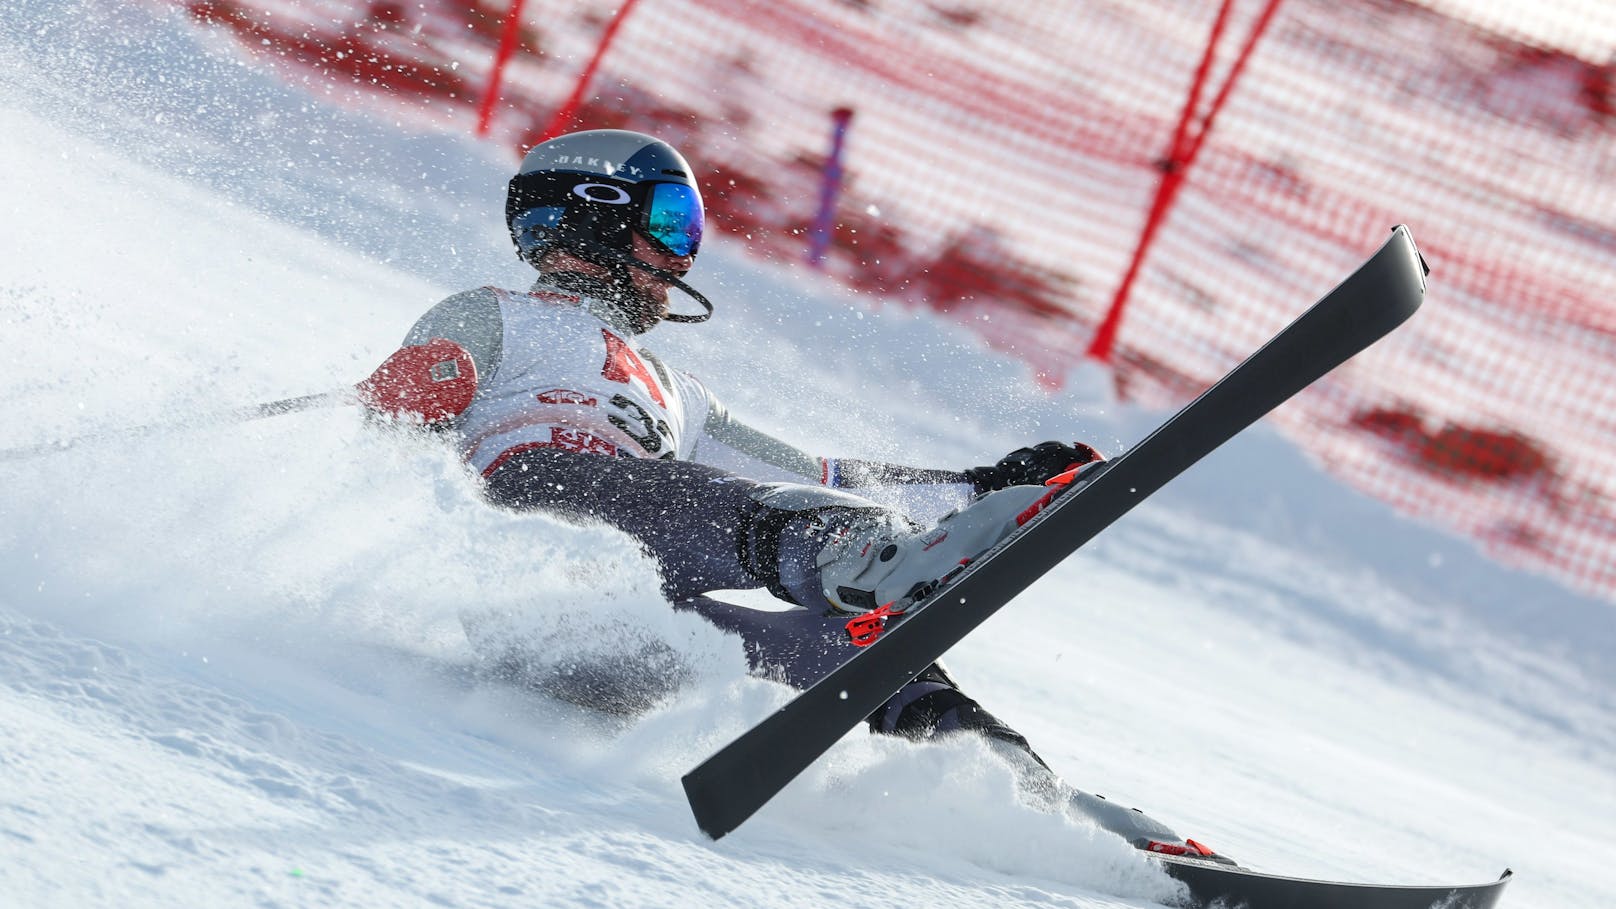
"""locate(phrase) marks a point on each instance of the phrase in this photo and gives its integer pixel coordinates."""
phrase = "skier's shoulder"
(471, 319)
(476, 311)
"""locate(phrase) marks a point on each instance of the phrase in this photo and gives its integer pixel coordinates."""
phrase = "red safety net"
(1006, 158)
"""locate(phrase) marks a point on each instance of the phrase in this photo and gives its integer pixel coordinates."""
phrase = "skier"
(555, 402)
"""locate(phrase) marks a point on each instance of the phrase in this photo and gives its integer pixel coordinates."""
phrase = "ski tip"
(1424, 266)
(1401, 230)
(1404, 237)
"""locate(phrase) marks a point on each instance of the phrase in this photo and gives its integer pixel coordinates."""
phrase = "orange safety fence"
(1006, 161)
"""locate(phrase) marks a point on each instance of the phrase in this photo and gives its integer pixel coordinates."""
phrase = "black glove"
(1032, 466)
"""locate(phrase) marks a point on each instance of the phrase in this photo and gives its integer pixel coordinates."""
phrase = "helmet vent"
(676, 173)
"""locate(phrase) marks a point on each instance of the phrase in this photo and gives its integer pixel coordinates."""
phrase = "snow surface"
(231, 665)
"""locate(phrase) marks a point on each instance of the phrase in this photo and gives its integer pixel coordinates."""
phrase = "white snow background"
(231, 666)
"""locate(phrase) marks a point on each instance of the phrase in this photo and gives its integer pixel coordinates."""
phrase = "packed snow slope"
(231, 665)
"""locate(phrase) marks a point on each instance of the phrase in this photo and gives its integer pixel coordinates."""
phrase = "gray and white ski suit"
(573, 414)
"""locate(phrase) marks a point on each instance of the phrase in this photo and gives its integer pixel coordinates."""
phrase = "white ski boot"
(877, 563)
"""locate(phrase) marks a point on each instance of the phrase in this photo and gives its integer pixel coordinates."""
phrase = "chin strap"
(678, 282)
(585, 237)
(621, 258)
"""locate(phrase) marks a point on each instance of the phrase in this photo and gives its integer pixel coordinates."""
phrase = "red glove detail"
(432, 382)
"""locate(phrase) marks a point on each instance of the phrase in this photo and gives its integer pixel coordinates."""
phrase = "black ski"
(1255, 890)
(734, 783)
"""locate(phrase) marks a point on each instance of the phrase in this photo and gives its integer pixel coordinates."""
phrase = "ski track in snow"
(231, 664)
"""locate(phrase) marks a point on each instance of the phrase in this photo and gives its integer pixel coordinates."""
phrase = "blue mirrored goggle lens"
(674, 218)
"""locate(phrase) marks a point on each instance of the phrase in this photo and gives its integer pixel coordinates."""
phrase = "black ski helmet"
(599, 185)
(588, 192)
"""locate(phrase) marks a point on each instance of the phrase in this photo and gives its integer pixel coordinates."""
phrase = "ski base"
(1234, 887)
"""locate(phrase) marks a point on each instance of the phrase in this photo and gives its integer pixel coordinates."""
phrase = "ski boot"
(881, 562)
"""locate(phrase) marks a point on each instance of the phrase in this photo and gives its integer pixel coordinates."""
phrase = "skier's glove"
(1032, 466)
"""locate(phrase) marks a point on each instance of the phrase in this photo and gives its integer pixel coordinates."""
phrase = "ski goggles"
(673, 218)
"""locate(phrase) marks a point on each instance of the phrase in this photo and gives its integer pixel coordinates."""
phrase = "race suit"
(573, 415)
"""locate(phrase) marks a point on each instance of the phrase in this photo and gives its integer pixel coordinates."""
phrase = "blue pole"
(830, 188)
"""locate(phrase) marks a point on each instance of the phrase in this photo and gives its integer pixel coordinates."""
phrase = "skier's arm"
(739, 448)
(733, 445)
(433, 377)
